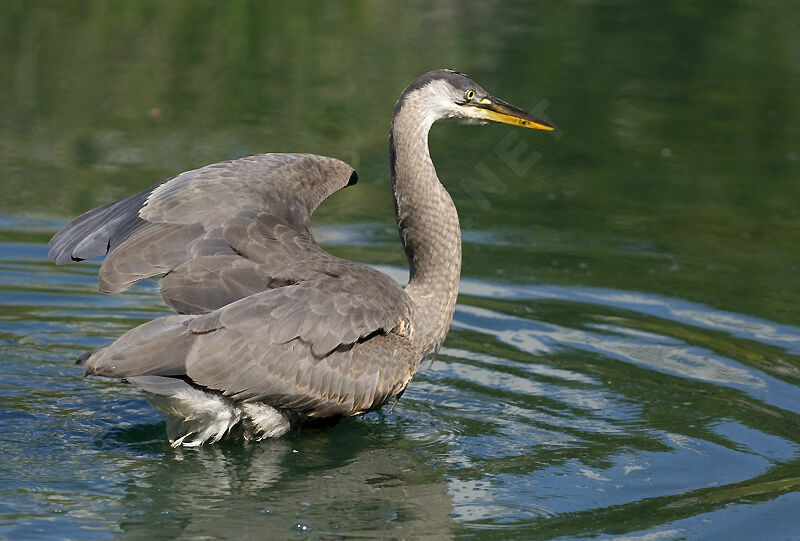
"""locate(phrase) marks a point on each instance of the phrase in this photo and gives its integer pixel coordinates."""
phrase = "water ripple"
(547, 403)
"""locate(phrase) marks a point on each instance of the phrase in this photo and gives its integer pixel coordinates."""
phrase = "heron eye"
(470, 94)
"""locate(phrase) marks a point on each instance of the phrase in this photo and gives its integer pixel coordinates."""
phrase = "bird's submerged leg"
(397, 398)
(432, 358)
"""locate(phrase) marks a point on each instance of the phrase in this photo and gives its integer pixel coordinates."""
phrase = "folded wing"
(319, 347)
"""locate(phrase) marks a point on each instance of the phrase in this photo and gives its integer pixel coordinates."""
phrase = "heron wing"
(265, 313)
(220, 232)
(323, 347)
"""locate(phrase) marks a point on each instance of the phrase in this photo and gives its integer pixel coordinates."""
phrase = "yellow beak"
(496, 110)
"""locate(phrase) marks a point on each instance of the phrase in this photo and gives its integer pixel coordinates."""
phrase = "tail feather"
(81, 359)
(153, 358)
(157, 348)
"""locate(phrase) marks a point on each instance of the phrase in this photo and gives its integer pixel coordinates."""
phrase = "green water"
(625, 355)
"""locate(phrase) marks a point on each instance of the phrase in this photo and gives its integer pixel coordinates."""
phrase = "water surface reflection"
(349, 480)
(549, 409)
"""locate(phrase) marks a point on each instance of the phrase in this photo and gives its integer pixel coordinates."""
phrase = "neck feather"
(428, 223)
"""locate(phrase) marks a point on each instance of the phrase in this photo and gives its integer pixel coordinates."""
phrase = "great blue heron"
(271, 331)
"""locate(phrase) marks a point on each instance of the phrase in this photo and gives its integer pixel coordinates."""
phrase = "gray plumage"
(264, 315)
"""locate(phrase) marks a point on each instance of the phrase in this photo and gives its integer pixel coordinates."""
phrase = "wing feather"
(232, 350)
(287, 187)
(268, 315)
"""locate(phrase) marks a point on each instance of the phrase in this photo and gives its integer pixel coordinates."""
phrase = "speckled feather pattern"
(427, 220)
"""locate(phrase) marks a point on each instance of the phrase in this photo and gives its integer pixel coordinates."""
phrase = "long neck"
(428, 223)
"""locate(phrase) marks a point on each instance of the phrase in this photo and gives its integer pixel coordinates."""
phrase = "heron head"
(448, 94)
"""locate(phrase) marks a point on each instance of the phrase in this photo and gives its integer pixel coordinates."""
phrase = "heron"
(271, 332)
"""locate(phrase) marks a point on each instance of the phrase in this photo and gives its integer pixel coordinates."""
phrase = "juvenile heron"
(271, 331)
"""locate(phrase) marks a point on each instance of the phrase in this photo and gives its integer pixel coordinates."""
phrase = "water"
(624, 360)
